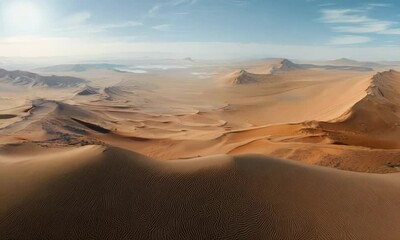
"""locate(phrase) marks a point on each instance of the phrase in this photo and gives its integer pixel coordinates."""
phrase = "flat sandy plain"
(264, 149)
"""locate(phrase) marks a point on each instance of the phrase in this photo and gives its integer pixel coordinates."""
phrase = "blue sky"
(230, 28)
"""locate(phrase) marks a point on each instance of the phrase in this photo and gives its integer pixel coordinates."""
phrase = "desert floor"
(265, 149)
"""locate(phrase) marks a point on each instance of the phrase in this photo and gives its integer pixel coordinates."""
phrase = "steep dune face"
(363, 137)
(371, 120)
(374, 121)
(111, 193)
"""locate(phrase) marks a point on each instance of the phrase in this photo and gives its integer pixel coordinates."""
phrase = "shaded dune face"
(123, 195)
(373, 121)
(262, 74)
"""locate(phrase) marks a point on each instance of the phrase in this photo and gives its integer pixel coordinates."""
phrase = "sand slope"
(373, 121)
(300, 115)
(114, 194)
(64, 175)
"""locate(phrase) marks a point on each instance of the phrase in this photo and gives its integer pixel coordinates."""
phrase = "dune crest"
(374, 120)
(285, 65)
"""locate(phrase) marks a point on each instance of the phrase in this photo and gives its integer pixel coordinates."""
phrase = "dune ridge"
(167, 155)
(374, 120)
(36, 80)
(279, 69)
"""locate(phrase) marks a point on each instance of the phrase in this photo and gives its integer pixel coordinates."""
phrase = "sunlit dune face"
(23, 16)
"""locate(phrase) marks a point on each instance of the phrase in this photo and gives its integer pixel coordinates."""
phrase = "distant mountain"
(285, 65)
(278, 67)
(390, 63)
(33, 79)
(78, 67)
(350, 62)
(189, 59)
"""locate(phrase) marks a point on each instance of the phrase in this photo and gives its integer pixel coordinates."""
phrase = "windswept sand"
(169, 153)
(104, 193)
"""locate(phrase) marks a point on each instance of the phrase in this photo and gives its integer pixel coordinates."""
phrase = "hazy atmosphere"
(363, 30)
(199, 119)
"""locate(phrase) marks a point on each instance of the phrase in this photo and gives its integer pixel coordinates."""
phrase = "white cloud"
(393, 31)
(343, 16)
(374, 5)
(161, 27)
(357, 21)
(369, 27)
(349, 39)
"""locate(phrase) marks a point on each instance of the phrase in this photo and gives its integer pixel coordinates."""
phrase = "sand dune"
(243, 77)
(63, 173)
(147, 120)
(110, 193)
(263, 72)
(374, 120)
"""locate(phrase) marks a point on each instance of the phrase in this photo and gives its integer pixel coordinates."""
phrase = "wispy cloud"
(80, 22)
(357, 21)
(370, 27)
(349, 39)
(162, 27)
(119, 25)
(343, 16)
(156, 9)
(375, 5)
